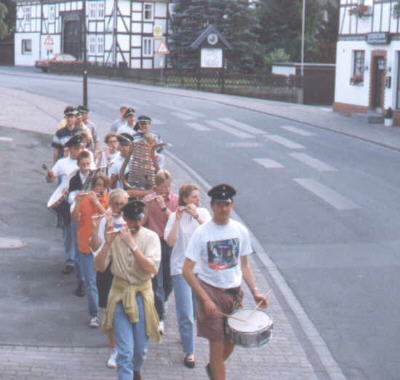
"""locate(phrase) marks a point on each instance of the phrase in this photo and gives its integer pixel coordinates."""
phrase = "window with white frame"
(148, 12)
(100, 44)
(52, 13)
(358, 67)
(27, 14)
(92, 9)
(147, 50)
(26, 47)
(92, 44)
(100, 10)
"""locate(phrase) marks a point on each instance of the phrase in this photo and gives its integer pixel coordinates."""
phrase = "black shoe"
(208, 370)
(188, 361)
(136, 375)
(80, 290)
(68, 269)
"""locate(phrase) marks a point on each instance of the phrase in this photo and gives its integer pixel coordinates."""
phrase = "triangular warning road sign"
(162, 48)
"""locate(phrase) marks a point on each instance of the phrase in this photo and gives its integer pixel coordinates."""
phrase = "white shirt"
(217, 250)
(187, 225)
(64, 167)
(126, 129)
(116, 168)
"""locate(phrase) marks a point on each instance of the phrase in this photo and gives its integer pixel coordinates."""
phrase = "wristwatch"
(164, 209)
(197, 216)
(134, 248)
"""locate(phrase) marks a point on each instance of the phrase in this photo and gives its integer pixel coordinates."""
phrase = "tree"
(328, 33)
(280, 22)
(235, 19)
(3, 24)
(239, 26)
(7, 18)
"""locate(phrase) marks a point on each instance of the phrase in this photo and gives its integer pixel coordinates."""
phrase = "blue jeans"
(89, 278)
(130, 340)
(185, 305)
(67, 242)
(74, 242)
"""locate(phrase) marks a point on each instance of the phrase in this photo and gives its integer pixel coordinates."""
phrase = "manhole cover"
(8, 243)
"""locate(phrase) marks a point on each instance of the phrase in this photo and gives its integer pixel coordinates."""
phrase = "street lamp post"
(303, 24)
(85, 69)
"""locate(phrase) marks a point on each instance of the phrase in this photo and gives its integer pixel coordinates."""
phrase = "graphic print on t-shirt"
(223, 254)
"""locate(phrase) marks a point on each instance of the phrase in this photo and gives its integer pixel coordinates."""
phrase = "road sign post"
(163, 50)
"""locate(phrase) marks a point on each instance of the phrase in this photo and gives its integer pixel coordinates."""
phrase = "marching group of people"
(131, 247)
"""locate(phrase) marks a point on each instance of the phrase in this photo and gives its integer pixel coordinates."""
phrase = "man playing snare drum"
(219, 248)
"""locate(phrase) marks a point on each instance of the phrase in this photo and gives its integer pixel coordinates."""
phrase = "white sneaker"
(161, 328)
(112, 360)
(94, 322)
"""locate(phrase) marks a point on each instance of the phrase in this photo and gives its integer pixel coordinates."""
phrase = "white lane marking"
(182, 116)
(8, 139)
(268, 163)
(179, 109)
(157, 121)
(313, 162)
(198, 127)
(243, 145)
(285, 142)
(242, 126)
(230, 130)
(327, 194)
(296, 130)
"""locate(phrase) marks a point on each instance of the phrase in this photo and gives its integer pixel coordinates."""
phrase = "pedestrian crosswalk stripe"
(296, 130)
(182, 116)
(313, 162)
(8, 139)
(268, 163)
(198, 127)
(155, 121)
(242, 126)
(243, 145)
(186, 111)
(285, 142)
(228, 129)
(327, 194)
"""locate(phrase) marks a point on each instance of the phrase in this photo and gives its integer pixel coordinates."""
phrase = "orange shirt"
(87, 209)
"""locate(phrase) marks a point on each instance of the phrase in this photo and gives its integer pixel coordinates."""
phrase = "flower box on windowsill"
(357, 81)
(360, 11)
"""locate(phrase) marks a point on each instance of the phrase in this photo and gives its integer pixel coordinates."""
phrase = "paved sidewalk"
(287, 357)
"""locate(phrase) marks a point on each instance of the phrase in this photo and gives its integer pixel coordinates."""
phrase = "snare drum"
(255, 331)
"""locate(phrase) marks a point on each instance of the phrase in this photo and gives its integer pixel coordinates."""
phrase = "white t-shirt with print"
(216, 250)
(187, 225)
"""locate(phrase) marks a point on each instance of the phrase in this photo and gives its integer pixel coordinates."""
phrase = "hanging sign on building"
(378, 38)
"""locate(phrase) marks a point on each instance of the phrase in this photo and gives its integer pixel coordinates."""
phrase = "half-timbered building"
(368, 56)
(119, 32)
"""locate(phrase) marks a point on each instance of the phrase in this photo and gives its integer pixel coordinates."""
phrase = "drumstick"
(97, 216)
(231, 316)
(259, 304)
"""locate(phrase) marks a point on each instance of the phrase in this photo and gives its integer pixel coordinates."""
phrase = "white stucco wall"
(359, 94)
(26, 59)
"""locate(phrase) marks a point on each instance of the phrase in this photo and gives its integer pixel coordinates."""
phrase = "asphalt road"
(324, 206)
